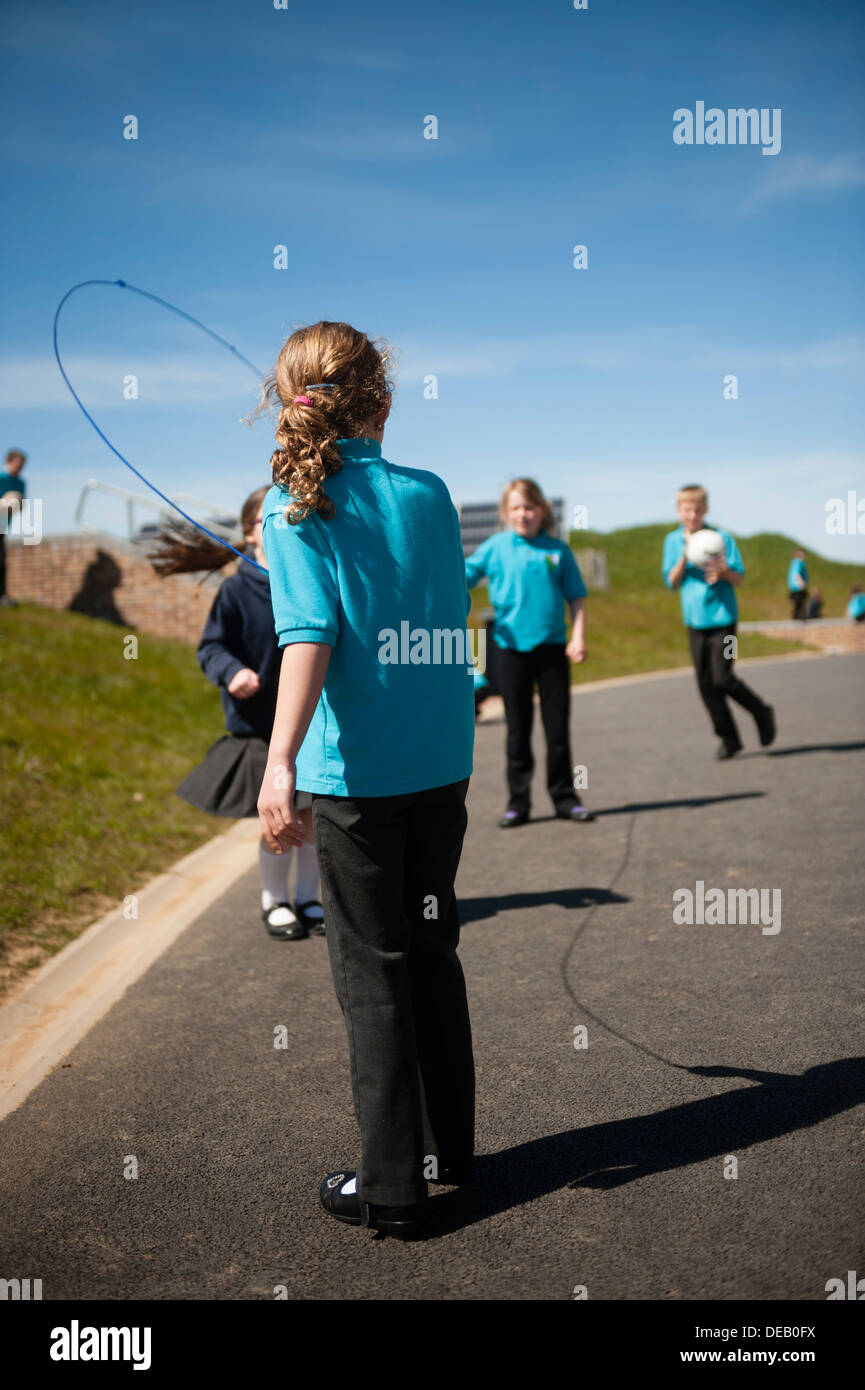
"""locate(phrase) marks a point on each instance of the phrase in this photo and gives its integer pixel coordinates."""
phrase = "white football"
(704, 545)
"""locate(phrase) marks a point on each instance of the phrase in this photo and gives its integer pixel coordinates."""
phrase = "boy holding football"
(705, 564)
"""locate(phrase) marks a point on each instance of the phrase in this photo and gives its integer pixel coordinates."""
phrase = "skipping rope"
(122, 284)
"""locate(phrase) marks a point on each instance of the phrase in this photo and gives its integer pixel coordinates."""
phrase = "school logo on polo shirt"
(553, 558)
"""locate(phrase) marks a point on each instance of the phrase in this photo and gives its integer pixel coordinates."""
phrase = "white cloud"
(35, 383)
(682, 348)
(806, 175)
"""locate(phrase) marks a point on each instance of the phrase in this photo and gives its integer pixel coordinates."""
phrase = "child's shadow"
(816, 748)
(620, 1151)
(95, 594)
(481, 909)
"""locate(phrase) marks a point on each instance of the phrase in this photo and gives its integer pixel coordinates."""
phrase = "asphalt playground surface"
(602, 1167)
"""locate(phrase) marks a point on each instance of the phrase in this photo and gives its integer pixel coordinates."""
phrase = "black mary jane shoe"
(574, 811)
(403, 1222)
(314, 925)
(286, 931)
(513, 818)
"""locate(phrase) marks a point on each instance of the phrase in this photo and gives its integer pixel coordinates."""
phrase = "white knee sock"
(307, 886)
(274, 876)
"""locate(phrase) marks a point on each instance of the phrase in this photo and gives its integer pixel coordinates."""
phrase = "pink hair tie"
(304, 400)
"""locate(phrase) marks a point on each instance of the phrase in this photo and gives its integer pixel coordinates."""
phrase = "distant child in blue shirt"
(531, 576)
(13, 490)
(239, 653)
(797, 585)
(375, 716)
(856, 606)
(711, 613)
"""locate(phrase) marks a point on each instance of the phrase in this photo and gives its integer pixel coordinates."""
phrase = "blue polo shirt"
(856, 606)
(703, 604)
(382, 583)
(797, 568)
(9, 482)
(529, 581)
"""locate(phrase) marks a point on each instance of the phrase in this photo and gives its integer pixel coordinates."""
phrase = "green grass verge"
(91, 748)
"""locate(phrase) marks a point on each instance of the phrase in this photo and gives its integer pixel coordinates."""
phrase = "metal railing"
(223, 523)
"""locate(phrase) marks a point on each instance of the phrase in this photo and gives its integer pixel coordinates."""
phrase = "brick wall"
(109, 578)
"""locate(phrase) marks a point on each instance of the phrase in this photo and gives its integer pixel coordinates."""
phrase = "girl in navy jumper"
(239, 652)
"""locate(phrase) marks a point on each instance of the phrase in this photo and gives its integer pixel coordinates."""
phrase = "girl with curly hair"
(361, 549)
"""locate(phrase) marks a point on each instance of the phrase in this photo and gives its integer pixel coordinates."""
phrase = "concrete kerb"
(77, 987)
(688, 670)
(492, 709)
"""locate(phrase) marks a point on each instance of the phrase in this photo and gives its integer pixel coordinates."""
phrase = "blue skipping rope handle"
(121, 284)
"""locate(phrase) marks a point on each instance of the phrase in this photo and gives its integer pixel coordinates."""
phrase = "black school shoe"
(766, 726)
(403, 1222)
(289, 931)
(314, 925)
(513, 818)
(727, 750)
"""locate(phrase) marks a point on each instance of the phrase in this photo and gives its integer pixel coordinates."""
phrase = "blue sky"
(304, 127)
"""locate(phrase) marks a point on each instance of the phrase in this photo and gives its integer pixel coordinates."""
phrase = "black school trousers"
(718, 682)
(517, 674)
(388, 865)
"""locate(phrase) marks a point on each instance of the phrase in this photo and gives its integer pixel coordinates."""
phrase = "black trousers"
(517, 673)
(2, 563)
(718, 682)
(388, 865)
(799, 600)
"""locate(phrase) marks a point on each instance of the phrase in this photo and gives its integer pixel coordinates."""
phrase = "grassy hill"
(634, 557)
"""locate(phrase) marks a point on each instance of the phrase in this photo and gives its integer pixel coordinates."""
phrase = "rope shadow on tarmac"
(606, 1156)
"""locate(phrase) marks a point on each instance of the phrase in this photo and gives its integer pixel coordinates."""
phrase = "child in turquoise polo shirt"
(396, 713)
(12, 492)
(531, 576)
(856, 606)
(711, 613)
(797, 585)
(375, 718)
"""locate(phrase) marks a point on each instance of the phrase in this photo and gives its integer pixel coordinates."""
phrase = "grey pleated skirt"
(227, 781)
